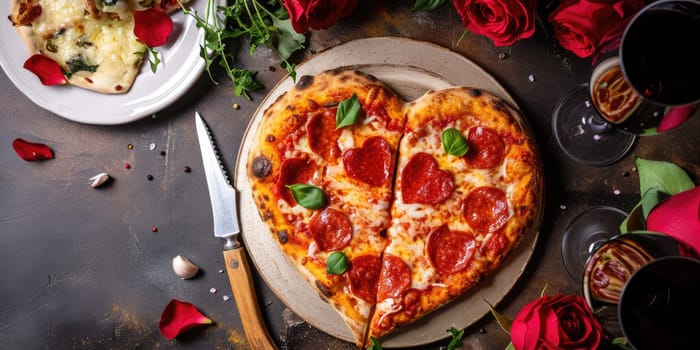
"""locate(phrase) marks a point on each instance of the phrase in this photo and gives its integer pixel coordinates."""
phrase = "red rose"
(556, 322)
(586, 27)
(317, 14)
(679, 217)
(503, 21)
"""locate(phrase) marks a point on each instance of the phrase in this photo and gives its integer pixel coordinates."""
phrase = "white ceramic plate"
(150, 93)
(410, 68)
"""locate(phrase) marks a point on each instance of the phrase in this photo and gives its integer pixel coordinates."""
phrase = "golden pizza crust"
(282, 134)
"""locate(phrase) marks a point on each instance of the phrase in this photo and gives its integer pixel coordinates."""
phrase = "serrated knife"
(224, 207)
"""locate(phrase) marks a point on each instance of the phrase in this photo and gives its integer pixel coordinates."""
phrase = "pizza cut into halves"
(92, 41)
(401, 208)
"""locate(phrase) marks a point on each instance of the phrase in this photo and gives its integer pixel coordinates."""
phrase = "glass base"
(583, 135)
(585, 233)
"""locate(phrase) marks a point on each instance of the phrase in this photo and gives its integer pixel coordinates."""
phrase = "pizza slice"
(336, 135)
(92, 41)
(455, 215)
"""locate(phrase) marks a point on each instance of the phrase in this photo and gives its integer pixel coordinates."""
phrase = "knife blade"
(225, 212)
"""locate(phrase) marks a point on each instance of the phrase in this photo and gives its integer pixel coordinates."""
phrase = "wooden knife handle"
(244, 292)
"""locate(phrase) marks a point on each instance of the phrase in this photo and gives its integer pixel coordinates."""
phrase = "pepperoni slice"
(331, 229)
(495, 245)
(486, 209)
(394, 279)
(450, 251)
(293, 171)
(422, 181)
(370, 163)
(323, 135)
(486, 148)
(364, 275)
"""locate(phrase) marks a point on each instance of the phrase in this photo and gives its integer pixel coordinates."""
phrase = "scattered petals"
(31, 151)
(152, 26)
(178, 317)
(48, 71)
(679, 217)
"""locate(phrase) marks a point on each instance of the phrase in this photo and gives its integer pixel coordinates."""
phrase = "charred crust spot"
(261, 167)
(88, 80)
(267, 215)
(371, 78)
(283, 236)
(323, 289)
(27, 13)
(500, 106)
(118, 88)
(382, 233)
(270, 138)
(331, 104)
(304, 82)
(475, 92)
(312, 104)
(334, 71)
(289, 108)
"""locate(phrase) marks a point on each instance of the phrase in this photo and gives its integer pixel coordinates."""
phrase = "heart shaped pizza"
(393, 209)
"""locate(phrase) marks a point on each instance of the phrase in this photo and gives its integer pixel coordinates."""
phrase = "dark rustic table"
(83, 268)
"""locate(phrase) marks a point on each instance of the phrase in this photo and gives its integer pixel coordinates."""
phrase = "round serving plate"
(151, 92)
(410, 68)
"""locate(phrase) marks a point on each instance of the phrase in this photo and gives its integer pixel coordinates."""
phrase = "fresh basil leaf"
(456, 338)
(308, 196)
(348, 112)
(428, 5)
(337, 263)
(374, 344)
(454, 143)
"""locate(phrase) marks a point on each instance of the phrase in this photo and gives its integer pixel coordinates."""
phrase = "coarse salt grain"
(596, 137)
(531, 77)
(588, 104)
(226, 298)
(152, 146)
(212, 290)
(562, 207)
(617, 192)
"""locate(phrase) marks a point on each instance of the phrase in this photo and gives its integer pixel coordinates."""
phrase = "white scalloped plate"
(150, 93)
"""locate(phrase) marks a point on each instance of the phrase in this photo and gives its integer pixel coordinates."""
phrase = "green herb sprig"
(263, 23)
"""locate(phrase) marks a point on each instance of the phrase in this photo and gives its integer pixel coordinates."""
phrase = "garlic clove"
(99, 180)
(184, 268)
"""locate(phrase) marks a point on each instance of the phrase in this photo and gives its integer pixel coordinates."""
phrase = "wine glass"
(655, 69)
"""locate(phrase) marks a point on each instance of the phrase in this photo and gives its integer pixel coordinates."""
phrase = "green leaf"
(428, 5)
(621, 342)
(244, 82)
(337, 263)
(374, 344)
(156, 60)
(285, 39)
(502, 320)
(657, 180)
(454, 143)
(666, 177)
(348, 112)
(308, 196)
(77, 63)
(456, 340)
(510, 346)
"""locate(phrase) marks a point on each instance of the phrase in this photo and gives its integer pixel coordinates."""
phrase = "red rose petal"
(179, 316)
(31, 151)
(48, 71)
(675, 117)
(679, 217)
(152, 26)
